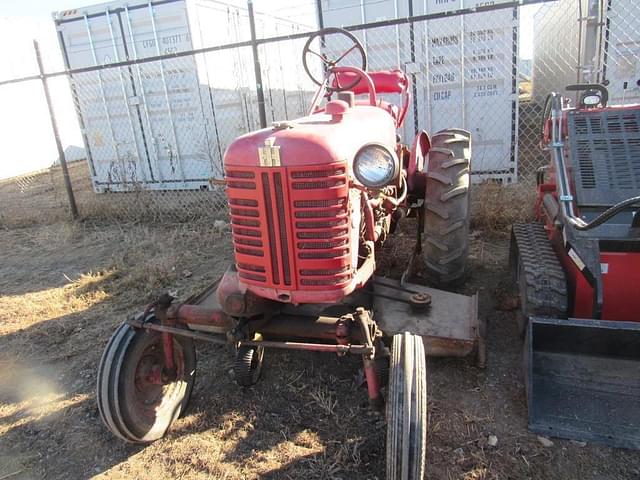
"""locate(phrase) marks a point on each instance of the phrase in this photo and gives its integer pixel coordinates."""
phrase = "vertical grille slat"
(284, 243)
(268, 206)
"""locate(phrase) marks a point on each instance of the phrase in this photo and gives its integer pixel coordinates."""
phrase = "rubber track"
(546, 285)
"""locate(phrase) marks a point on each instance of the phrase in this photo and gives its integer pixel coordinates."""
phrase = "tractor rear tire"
(407, 409)
(135, 400)
(447, 207)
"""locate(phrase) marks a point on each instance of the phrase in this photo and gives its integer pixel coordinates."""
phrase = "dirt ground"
(64, 289)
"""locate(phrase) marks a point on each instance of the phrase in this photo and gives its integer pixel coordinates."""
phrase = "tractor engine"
(303, 219)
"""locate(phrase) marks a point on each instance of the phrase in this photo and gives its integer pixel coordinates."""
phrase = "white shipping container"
(621, 52)
(600, 44)
(163, 125)
(464, 66)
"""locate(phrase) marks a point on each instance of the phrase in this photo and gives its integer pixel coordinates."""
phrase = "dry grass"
(496, 207)
(64, 288)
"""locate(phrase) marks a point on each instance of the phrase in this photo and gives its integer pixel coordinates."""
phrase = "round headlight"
(375, 166)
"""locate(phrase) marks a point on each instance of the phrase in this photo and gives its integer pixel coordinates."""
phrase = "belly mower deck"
(447, 322)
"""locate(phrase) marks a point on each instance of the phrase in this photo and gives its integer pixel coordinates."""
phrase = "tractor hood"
(316, 139)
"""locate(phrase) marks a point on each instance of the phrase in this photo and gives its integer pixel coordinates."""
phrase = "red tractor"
(578, 271)
(311, 201)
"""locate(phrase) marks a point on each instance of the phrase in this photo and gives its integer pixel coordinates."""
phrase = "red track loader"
(578, 271)
(311, 201)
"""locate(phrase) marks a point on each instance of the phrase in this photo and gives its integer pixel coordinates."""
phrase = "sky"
(43, 9)
(38, 8)
(25, 134)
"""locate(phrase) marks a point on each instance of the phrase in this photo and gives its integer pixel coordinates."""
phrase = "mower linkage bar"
(212, 338)
(185, 332)
(315, 347)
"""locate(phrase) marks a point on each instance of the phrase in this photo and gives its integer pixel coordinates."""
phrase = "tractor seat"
(384, 81)
(604, 150)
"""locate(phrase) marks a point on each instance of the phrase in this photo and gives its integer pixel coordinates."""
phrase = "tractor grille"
(290, 226)
(605, 154)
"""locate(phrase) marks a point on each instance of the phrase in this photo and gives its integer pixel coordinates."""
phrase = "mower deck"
(449, 326)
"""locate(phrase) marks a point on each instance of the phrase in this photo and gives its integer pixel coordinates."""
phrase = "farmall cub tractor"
(311, 201)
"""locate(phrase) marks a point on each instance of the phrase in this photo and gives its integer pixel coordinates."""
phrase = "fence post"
(54, 126)
(414, 87)
(256, 66)
(319, 14)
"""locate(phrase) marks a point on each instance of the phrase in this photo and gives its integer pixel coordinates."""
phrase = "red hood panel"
(317, 139)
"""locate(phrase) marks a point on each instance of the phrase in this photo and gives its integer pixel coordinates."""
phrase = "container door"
(104, 99)
(175, 105)
(227, 74)
(622, 51)
(471, 61)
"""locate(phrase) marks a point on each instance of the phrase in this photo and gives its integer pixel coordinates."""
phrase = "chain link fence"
(159, 91)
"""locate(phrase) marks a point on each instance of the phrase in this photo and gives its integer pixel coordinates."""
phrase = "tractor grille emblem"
(269, 154)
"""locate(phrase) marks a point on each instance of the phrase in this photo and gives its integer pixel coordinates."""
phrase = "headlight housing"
(375, 165)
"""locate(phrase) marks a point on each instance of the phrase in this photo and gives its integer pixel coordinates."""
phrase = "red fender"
(415, 169)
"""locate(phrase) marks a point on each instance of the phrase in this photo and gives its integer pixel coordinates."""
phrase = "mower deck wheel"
(407, 409)
(137, 399)
(447, 207)
(248, 365)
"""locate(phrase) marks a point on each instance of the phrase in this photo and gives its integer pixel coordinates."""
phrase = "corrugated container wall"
(620, 58)
(162, 125)
(464, 68)
(582, 41)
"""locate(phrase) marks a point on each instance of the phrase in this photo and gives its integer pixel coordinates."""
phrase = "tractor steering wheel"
(328, 63)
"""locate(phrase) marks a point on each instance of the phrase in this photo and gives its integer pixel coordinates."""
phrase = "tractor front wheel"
(248, 365)
(447, 207)
(138, 398)
(407, 409)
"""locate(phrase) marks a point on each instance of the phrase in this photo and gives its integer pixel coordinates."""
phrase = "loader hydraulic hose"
(546, 111)
(606, 215)
(557, 146)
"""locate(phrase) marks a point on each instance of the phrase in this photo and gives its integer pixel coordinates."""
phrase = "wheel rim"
(151, 391)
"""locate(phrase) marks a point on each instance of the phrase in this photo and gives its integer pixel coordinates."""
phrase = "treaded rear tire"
(447, 207)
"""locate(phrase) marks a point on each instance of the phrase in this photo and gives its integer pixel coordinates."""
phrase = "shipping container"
(164, 125)
(583, 41)
(464, 68)
(620, 57)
